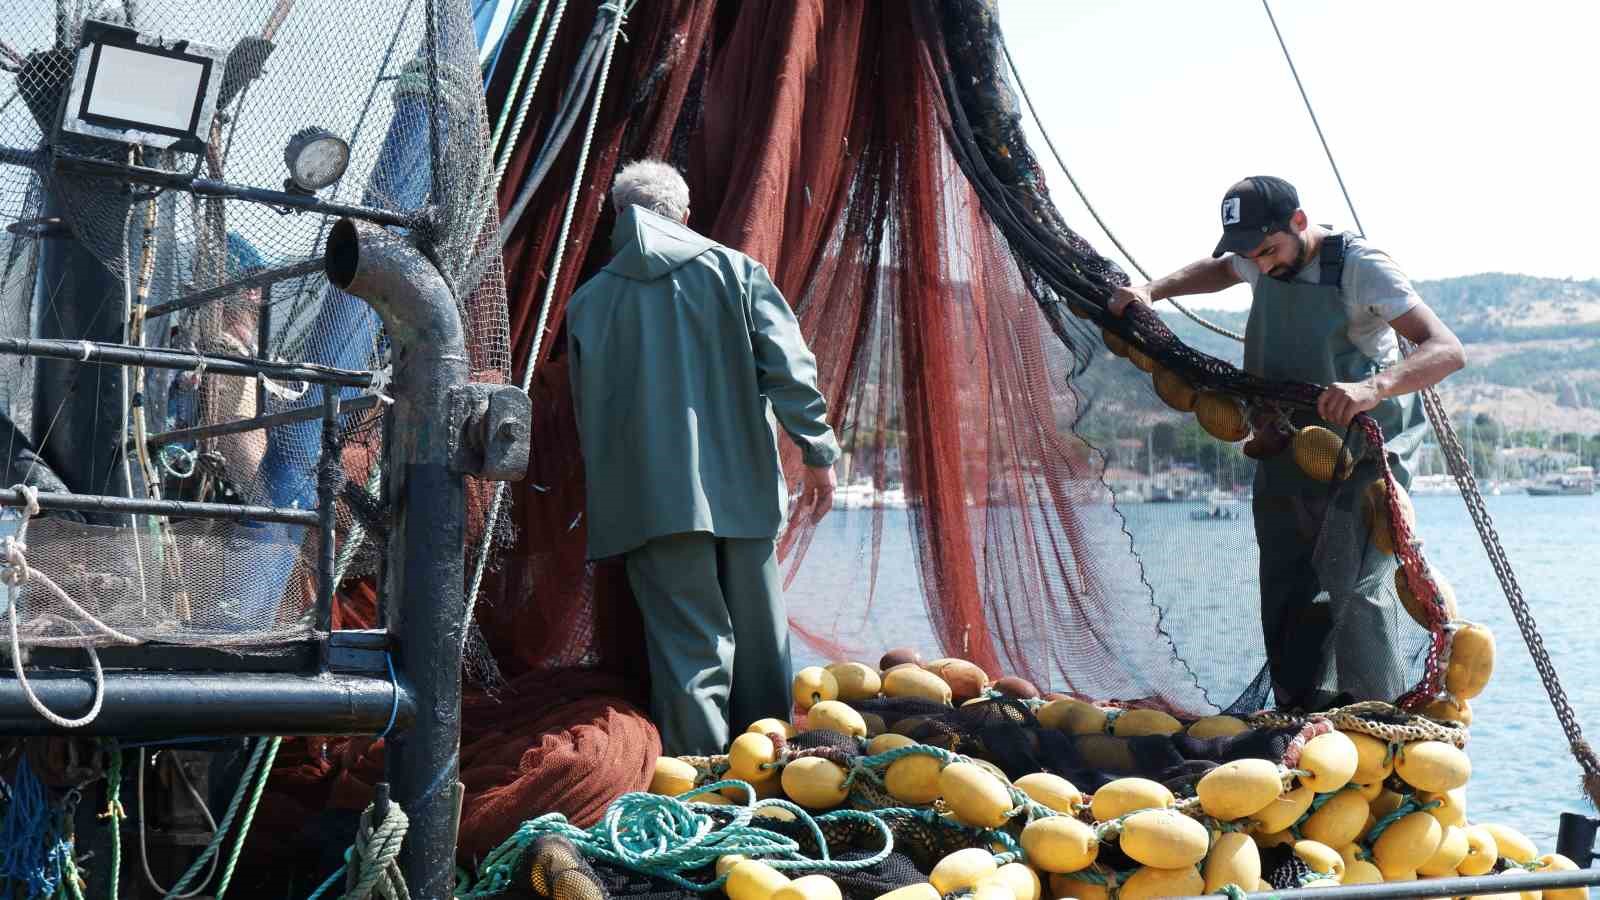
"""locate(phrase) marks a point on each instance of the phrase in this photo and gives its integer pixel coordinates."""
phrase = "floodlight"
(138, 89)
(316, 158)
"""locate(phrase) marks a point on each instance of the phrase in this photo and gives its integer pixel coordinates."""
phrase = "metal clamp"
(490, 431)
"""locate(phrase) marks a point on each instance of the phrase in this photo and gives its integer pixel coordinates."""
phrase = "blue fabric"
(491, 20)
(345, 328)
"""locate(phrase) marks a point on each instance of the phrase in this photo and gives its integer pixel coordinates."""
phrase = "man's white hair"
(654, 185)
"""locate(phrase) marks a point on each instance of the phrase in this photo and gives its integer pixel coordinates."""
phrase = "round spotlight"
(316, 158)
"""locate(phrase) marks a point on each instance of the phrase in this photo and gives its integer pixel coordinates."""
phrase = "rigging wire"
(1314, 123)
(1017, 77)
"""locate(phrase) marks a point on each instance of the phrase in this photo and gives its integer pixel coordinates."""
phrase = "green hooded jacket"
(682, 353)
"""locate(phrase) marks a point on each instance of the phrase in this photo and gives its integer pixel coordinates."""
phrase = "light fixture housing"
(316, 158)
(134, 88)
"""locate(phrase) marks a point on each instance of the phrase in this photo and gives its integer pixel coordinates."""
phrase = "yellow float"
(1317, 451)
(813, 782)
(1433, 766)
(976, 797)
(1234, 859)
(1341, 819)
(672, 776)
(1145, 723)
(810, 887)
(1376, 505)
(1164, 839)
(1320, 858)
(1174, 390)
(835, 716)
(1331, 759)
(1148, 883)
(1221, 416)
(1051, 791)
(1125, 795)
(961, 870)
(1414, 607)
(814, 684)
(914, 778)
(1471, 661)
(1408, 843)
(1482, 852)
(1059, 844)
(1216, 727)
(1239, 789)
(856, 681)
(915, 681)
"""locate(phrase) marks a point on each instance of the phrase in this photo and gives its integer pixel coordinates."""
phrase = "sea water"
(1523, 774)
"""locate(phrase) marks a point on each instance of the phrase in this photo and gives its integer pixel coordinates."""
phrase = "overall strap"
(1332, 259)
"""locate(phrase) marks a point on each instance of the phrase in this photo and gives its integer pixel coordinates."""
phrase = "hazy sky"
(1465, 131)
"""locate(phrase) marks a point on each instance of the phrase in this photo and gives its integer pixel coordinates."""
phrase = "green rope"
(266, 748)
(114, 813)
(1110, 879)
(1112, 715)
(1231, 891)
(263, 774)
(868, 766)
(1392, 751)
(666, 836)
(1407, 806)
(331, 879)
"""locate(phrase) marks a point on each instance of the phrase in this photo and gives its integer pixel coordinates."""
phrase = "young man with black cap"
(1326, 309)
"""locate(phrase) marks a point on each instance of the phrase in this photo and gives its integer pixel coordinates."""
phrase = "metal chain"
(1460, 467)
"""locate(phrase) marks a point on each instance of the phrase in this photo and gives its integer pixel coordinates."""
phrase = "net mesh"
(911, 230)
(399, 82)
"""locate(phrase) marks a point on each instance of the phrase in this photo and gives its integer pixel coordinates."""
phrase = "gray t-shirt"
(1374, 290)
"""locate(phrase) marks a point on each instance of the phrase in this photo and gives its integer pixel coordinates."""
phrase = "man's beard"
(1287, 273)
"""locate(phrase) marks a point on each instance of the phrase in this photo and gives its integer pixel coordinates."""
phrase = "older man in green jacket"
(682, 353)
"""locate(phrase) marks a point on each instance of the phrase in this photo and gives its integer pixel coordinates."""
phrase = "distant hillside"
(1533, 347)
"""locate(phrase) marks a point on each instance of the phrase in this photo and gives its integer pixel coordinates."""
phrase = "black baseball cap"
(1253, 209)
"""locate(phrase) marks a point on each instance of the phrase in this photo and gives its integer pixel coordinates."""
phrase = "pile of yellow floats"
(1352, 807)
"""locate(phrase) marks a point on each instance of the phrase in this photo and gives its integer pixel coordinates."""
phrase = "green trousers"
(1329, 614)
(717, 634)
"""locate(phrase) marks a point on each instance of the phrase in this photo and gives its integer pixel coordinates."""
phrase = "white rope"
(487, 541)
(17, 572)
(503, 151)
(378, 850)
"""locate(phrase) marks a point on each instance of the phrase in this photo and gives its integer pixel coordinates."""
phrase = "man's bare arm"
(1206, 276)
(1438, 354)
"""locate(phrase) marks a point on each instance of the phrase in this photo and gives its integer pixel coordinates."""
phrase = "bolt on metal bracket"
(490, 431)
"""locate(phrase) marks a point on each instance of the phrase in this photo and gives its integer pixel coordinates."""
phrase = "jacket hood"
(648, 245)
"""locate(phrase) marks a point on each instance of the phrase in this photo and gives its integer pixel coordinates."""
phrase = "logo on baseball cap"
(1253, 209)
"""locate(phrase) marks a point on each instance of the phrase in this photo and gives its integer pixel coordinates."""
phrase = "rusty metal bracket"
(490, 431)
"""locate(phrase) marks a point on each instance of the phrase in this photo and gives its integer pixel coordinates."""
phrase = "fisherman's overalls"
(1328, 612)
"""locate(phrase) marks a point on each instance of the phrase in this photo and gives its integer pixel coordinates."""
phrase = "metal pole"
(326, 468)
(259, 280)
(1436, 887)
(173, 704)
(210, 187)
(263, 348)
(105, 505)
(422, 578)
(287, 417)
(119, 354)
(1575, 840)
(76, 426)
